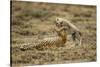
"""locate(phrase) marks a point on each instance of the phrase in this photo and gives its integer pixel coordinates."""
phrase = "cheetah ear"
(55, 22)
(57, 19)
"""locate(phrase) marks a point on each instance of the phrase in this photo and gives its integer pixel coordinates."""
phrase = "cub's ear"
(57, 19)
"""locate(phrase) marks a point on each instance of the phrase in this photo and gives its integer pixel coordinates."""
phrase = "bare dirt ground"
(33, 21)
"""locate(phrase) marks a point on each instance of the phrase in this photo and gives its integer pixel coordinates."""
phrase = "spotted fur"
(56, 41)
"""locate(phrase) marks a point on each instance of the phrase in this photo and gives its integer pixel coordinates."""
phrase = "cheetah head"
(59, 22)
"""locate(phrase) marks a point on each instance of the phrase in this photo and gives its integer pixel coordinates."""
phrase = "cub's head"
(59, 22)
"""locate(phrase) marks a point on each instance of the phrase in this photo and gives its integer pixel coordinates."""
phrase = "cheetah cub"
(74, 31)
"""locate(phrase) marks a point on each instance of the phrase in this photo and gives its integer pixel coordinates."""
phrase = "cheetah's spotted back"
(56, 41)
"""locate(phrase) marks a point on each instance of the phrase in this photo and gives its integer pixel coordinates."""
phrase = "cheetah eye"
(61, 22)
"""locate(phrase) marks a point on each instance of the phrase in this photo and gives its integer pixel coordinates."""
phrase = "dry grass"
(33, 21)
